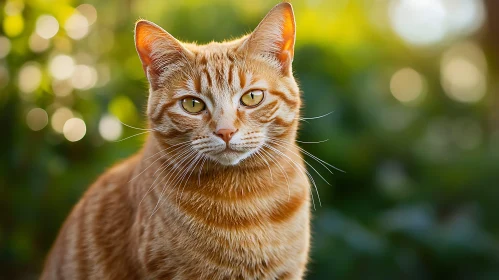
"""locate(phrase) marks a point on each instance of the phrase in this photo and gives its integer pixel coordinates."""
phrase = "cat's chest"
(174, 241)
(249, 230)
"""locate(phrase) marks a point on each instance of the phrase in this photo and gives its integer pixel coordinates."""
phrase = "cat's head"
(223, 100)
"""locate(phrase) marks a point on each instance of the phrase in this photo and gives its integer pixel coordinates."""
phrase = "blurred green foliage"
(419, 199)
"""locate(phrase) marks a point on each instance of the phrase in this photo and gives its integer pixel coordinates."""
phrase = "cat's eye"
(252, 98)
(193, 105)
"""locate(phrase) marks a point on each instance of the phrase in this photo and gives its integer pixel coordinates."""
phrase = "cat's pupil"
(252, 96)
(193, 103)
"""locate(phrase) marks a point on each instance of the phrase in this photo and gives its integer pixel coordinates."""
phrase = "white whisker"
(166, 163)
(186, 158)
(182, 145)
(200, 169)
(320, 161)
(306, 162)
(132, 136)
(281, 169)
(266, 162)
(127, 125)
(198, 159)
(312, 142)
(314, 118)
(298, 168)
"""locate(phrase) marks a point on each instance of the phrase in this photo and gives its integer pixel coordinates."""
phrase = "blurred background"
(413, 90)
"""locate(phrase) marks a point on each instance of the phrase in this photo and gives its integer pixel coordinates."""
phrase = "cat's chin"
(230, 158)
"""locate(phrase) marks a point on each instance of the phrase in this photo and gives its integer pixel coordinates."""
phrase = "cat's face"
(224, 101)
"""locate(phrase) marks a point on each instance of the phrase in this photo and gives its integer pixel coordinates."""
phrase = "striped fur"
(185, 207)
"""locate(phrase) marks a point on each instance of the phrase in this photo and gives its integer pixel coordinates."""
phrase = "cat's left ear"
(274, 37)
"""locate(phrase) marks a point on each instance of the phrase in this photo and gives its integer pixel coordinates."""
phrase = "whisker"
(179, 177)
(313, 156)
(127, 125)
(160, 157)
(320, 161)
(173, 163)
(314, 118)
(170, 163)
(200, 169)
(183, 156)
(266, 162)
(312, 142)
(199, 157)
(132, 136)
(306, 162)
(298, 168)
(184, 150)
(281, 169)
(165, 164)
(186, 158)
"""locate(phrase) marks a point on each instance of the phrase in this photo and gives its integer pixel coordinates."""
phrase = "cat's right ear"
(159, 51)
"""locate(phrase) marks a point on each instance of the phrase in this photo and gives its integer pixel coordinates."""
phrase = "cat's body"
(219, 190)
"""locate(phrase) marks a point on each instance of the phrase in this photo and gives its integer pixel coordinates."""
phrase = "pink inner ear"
(143, 34)
(288, 36)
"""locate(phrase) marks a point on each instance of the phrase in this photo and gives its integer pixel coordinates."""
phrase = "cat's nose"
(226, 133)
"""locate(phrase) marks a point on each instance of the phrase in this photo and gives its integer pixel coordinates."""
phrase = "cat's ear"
(159, 51)
(274, 37)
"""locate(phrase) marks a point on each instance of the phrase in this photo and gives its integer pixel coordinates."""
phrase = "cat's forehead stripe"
(207, 77)
(231, 70)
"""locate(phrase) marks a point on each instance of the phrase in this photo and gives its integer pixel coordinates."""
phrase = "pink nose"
(226, 133)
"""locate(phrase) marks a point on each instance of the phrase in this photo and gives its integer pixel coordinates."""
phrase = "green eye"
(193, 105)
(252, 98)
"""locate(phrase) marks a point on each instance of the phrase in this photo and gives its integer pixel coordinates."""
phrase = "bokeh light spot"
(464, 16)
(84, 77)
(419, 22)
(103, 75)
(110, 128)
(62, 67)
(463, 73)
(13, 8)
(74, 129)
(62, 88)
(13, 25)
(76, 26)
(59, 118)
(46, 26)
(4, 46)
(407, 85)
(37, 119)
(38, 44)
(89, 12)
(426, 22)
(30, 77)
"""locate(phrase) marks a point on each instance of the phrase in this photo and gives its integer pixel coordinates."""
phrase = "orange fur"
(190, 206)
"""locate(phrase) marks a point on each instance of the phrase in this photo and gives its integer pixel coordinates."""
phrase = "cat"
(219, 189)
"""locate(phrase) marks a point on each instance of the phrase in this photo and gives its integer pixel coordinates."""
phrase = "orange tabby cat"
(219, 189)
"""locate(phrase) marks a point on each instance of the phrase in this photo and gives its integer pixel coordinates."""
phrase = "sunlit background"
(413, 90)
